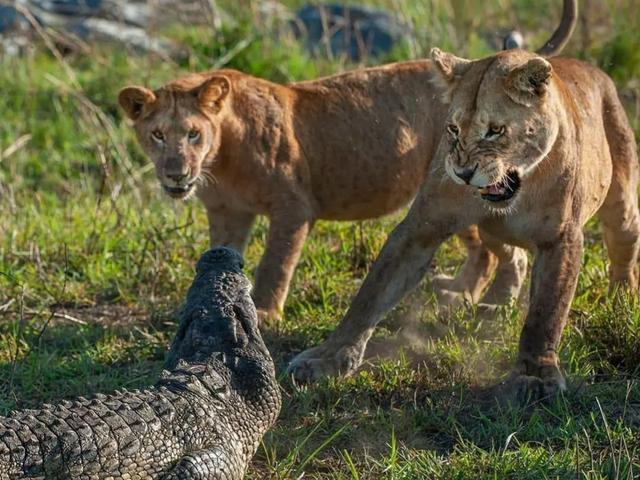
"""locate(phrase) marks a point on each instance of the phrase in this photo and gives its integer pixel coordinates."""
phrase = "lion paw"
(449, 298)
(487, 310)
(521, 389)
(446, 291)
(267, 318)
(442, 282)
(324, 361)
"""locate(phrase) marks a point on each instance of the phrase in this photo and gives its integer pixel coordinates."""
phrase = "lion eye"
(158, 136)
(495, 131)
(453, 129)
(193, 134)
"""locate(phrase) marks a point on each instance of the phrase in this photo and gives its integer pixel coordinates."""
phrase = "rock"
(9, 18)
(125, 22)
(503, 38)
(100, 30)
(513, 39)
(69, 7)
(356, 31)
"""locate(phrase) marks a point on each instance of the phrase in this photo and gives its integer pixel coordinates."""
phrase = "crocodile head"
(218, 348)
(219, 318)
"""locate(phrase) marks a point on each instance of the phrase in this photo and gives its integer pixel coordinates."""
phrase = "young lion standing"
(533, 148)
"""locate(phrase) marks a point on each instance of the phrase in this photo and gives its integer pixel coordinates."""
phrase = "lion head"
(179, 127)
(502, 120)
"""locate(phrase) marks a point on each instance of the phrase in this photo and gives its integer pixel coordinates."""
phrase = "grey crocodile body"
(203, 419)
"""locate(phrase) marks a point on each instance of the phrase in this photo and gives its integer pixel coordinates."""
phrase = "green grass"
(94, 261)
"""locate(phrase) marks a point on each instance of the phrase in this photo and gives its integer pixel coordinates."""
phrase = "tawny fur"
(567, 136)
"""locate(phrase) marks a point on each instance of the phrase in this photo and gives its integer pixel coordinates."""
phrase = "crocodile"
(203, 419)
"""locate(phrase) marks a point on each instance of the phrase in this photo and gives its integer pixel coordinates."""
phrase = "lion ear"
(449, 66)
(213, 92)
(530, 82)
(133, 100)
(449, 69)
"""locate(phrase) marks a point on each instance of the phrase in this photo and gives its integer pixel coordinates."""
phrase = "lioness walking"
(533, 149)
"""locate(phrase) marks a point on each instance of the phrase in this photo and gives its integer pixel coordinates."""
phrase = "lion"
(348, 147)
(532, 149)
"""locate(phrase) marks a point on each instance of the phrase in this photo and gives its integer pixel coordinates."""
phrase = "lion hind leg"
(619, 212)
(621, 226)
(487, 255)
(510, 274)
(474, 275)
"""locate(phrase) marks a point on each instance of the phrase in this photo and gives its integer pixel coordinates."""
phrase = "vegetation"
(94, 260)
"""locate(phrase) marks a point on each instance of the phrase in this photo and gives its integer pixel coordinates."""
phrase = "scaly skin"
(203, 419)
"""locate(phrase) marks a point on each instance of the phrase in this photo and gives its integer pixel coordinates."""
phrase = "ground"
(94, 261)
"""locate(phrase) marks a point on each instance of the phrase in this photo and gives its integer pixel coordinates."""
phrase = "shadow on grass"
(82, 351)
(439, 400)
(371, 415)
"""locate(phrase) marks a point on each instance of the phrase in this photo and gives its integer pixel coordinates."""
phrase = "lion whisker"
(202, 180)
(209, 177)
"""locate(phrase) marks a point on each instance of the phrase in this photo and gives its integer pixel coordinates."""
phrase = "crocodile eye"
(453, 129)
(157, 136)
(495, 131)
(193, 135)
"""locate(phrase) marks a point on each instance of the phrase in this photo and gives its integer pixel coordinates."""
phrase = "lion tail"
(561, 36)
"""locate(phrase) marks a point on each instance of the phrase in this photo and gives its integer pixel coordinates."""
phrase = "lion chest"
(527, 227)
(241, 198)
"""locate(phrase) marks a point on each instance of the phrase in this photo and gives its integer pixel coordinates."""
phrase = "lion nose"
(176, 173)
(466, 174)
(176, 177)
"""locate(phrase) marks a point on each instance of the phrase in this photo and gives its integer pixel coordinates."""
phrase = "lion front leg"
(554, 277)
(229, 227)
(288, 231)
(401, 264)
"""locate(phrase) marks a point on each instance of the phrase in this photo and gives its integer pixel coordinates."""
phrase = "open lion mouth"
(179, 192)
(502, 190)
